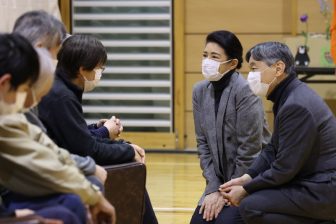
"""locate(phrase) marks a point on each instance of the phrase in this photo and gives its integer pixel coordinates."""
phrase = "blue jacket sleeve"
(101, 132)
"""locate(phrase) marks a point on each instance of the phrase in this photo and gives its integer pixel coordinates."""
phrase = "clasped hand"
(113, 126)
(233, 190)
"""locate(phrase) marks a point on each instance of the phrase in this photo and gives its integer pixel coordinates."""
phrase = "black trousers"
(273, 206)
(149, 215)
(228, 215)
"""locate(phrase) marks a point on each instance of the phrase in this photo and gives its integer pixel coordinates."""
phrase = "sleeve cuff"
(92, 126)
(252, 186)
(253, 173)
(212, 187)
(248, 189)
(103, 132)
(94, 195)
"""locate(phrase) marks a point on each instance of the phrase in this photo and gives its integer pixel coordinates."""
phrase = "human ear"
(234, 63)
(81, 70)
(5, 85)
(5, 81)
(280, 68)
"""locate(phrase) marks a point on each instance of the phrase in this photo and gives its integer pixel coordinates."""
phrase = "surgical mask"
(210, 69)
(89, 85)
(258, 88)
(6, 108)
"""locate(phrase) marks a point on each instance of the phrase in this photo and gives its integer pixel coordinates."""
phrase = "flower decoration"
(304, 19)
(326, 13)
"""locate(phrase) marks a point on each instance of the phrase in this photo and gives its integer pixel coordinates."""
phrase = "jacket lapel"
(210, 119)
(222, 108)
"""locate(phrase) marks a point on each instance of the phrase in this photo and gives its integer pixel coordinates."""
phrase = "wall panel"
(316, 22)
(240, 16)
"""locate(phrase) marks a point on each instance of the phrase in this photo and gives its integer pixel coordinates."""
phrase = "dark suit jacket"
(302, 152)
(236, 135)
(61, 112)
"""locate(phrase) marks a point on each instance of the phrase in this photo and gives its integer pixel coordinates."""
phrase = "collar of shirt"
(72, 87)
(281, 92)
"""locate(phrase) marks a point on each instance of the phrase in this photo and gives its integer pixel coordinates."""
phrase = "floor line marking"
(174, 209)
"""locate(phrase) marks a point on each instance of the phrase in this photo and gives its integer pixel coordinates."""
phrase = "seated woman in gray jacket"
(229, 124)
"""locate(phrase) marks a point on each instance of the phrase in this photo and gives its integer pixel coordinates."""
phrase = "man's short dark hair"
(19, 59)
(80, 51)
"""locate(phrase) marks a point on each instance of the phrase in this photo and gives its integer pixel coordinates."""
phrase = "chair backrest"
(125, 189)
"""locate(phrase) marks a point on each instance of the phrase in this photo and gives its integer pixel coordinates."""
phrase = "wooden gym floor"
(175, 184)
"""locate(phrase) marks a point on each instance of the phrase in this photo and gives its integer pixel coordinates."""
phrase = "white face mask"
(89, 85)
(210, 69)
(258, 88)
(6, 108)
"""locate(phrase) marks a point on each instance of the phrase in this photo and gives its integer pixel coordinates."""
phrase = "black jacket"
(62, 114)
(303, 145)
(300, 162)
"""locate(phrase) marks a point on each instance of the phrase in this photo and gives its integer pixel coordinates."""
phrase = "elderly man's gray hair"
(40, 27)
(272, 52)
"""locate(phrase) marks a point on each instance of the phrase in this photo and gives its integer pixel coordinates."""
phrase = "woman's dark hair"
(229, 42)
(80, 51)
(19, 59)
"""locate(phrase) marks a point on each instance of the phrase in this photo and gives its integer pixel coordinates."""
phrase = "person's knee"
(72, 199)
(229, 215)
(249, 210)
(74, 204)
(244, 206)
(197, 218)
(59, 212)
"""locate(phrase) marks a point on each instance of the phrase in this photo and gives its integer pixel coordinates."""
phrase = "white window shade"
(137, 83)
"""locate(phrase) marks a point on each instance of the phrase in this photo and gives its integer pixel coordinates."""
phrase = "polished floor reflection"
(175, 183)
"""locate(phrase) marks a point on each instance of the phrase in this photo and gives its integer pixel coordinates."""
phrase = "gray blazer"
(227, 144)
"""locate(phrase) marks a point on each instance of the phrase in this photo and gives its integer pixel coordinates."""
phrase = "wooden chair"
(125, 189)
